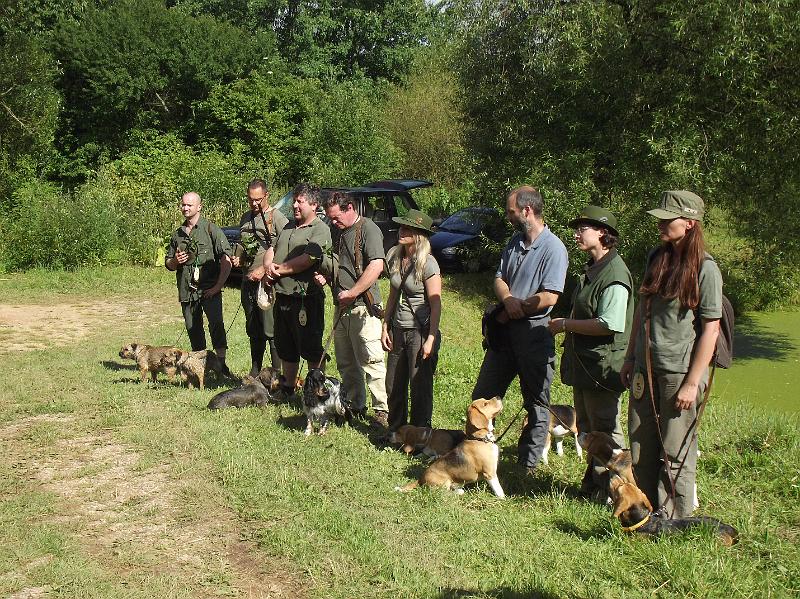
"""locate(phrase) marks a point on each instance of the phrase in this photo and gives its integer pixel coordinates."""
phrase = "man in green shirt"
(199, 254)
(300, 252)
(259, 227)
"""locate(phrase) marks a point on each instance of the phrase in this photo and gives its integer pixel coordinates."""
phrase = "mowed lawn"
(319, 517)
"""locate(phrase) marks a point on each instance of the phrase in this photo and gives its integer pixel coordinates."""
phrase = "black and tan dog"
(563, 423)
(323, 399)
(254, 391)
(473, 459)
(635, 513)
(152, 359)
(433, 442)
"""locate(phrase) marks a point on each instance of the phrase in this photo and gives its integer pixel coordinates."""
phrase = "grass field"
(111, 488)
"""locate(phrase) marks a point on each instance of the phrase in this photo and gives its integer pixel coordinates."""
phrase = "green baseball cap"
(415, 219)
(595, 215)
(679, 204)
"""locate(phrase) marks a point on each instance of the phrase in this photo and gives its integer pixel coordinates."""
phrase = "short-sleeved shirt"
(412, 299)
(673, 329)
(211, 246)
(291, 243)
(371, 249)
(252, 225)
(612, 307)
(542, 266)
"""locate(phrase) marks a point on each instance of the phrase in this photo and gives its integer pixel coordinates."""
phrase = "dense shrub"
(48, 227)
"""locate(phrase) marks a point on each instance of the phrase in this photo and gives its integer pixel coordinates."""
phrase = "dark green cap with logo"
(416, 219)
(597, 216)
(679, 204)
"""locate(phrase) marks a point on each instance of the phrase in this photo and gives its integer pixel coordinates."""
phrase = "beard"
(521, 225)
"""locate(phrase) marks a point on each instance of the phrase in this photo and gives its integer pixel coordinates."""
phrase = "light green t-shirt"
(612, 308)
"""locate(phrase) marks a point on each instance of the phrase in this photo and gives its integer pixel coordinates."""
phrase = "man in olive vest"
(199, 253)
(357, 338)
(259, 228)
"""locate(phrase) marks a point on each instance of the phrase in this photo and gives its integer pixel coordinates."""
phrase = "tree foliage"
(335, 39)
(137, 64)
(614, 101)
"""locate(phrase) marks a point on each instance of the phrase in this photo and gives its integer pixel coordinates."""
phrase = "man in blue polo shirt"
(528, 282)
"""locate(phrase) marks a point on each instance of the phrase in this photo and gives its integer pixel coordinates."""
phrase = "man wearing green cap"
(357, 338)
(673, 338)
(528, 282)
(596, 336)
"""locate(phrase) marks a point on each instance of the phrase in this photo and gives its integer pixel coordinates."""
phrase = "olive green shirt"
(413, 310)
(211, 246)
(291, 243)
(673, 329)
(371, 249)
(252, 226)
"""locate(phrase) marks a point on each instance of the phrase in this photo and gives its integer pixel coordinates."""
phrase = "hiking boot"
(382, 418)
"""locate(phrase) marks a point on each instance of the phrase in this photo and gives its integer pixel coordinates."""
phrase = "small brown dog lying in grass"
(635, 514)
(433, 442)
(254, 391)
(474, 458)
(193, 366)
(152, 359)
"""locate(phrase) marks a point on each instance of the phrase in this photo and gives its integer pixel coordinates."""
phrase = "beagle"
(635, 514)
(474, 458)
(433, 442)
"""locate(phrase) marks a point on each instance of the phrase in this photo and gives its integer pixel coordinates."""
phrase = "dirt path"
(132, 519)
(31, 327)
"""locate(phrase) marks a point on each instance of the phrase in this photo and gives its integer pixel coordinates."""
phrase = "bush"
(48, 228)
(145, 186)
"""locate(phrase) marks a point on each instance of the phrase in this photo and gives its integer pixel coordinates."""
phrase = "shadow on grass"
(116, 366)
(753, 341)
(599, 531)
(501, 593)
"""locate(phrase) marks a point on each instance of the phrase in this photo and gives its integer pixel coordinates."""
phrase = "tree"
(335, 39)
(614, 101)
(140, 65)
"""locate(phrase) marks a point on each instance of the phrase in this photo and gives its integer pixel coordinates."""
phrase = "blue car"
(457, 244)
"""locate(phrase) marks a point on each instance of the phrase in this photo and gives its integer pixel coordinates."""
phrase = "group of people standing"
(296, 259)
(659, 346)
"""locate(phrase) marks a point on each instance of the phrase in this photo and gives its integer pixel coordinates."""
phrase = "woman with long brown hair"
(675, 330)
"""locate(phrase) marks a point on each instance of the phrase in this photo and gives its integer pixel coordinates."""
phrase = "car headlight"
(450, 252)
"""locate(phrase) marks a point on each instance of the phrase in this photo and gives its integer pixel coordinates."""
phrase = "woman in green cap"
(411, 327)
(666, 366)
(596, 335)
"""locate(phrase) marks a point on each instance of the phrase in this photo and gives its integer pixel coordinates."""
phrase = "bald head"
(190, 205)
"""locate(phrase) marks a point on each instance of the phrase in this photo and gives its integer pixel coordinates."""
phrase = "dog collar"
(489, 438)
(638, 525)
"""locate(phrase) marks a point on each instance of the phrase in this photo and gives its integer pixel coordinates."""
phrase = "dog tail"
(409, 487)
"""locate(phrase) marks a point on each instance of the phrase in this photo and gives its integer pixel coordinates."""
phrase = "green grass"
(326, 505)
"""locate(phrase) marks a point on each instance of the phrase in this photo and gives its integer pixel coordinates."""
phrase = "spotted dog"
(323, 399)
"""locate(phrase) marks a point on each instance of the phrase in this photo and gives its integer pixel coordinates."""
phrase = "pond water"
(766, 364)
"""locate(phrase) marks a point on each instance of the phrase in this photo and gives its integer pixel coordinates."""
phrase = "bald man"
(199, 253)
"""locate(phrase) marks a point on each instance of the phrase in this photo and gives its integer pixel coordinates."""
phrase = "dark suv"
(380, 201)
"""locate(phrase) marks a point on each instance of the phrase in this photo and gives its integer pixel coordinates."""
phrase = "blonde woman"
(411, 327)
